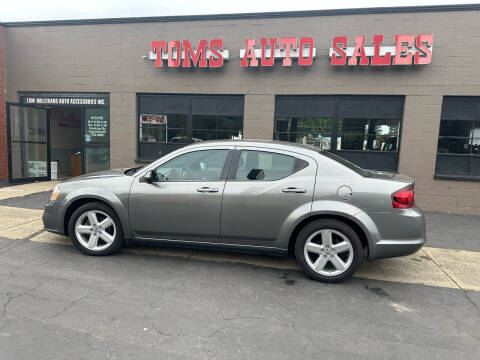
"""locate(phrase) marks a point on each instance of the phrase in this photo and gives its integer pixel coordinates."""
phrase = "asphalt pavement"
(151, 303)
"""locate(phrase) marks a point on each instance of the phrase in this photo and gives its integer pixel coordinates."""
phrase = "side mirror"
(148, 178)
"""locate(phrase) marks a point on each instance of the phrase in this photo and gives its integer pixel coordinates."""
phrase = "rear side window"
(266, 166)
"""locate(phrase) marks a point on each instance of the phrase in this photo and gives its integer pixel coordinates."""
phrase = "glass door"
(28, 134)
(96, 139)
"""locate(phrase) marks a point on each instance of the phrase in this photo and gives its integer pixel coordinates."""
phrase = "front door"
(265, 188)
(183, 200)
(28, 134)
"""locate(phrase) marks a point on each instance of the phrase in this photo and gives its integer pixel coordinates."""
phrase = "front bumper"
(396, 233)
(53, 217)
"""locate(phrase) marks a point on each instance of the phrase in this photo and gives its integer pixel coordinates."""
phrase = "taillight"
(404, 198)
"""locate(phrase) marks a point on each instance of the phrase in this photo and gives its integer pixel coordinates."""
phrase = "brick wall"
(3, 119)
(108, 58)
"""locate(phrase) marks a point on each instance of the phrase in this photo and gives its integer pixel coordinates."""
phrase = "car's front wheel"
(95, 229)
(328, 250)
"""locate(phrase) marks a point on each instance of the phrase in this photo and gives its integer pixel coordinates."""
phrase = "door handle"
(294, 190)
(207, 189)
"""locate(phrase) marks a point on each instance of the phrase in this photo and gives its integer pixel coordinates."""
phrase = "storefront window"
(368, 134)
(169, 121)
(458, 146)
(158, 128)
(208, 127)
(309, 131)
(455, 137)
(97, 158)
(363, 129)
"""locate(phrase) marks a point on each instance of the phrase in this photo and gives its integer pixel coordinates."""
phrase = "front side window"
(204, 165)
(266, 166)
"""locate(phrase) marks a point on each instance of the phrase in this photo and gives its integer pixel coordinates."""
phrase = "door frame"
(9, 145)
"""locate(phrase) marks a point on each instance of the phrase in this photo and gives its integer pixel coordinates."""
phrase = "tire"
(109, 237)
(319, 257)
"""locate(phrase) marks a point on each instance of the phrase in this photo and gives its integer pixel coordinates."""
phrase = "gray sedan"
(270, 197)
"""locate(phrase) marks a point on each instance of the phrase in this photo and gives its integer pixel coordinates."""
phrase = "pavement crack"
(12, 297)
(453, 280)
(66, 308)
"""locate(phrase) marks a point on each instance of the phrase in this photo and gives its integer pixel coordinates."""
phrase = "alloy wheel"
(95, 230)
(328, 252)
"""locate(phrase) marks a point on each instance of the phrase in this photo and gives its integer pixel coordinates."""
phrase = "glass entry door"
(96, 139)
(28, 134)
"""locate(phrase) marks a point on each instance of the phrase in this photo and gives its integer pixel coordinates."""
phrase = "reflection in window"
(368, 134)
(352, 134)
(97, 158)
(194, 166)
(308, 131)
(459, 137)
(267, 166)
(209, 127)
(163, 128)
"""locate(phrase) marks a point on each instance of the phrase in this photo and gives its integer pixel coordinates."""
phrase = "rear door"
(264, 188)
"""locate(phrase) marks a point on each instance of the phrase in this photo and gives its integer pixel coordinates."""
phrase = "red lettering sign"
(378, 60)
(181, 53)
(195, 55)
(339, 42)
(288, 48)
(249, 58)
(424, 43)
(407, 50)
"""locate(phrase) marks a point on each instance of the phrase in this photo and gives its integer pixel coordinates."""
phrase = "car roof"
(273, 144)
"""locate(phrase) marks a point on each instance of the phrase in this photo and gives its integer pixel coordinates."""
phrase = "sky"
(28, 10)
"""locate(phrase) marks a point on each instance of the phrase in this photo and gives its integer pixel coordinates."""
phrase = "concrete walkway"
(26, 189)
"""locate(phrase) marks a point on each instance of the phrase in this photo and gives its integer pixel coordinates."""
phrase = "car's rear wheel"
(328, 250)
(95, 229)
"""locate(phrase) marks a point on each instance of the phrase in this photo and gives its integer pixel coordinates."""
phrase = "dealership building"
(393, 89)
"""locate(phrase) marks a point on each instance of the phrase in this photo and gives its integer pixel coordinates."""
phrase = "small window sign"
(153, 119)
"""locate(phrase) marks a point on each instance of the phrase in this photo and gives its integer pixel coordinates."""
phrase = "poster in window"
(97, 126)
(153, 119)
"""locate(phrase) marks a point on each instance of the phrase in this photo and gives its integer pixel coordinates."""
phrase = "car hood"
(384, 175)
(99, 175)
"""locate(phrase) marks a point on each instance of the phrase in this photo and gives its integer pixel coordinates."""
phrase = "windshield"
(346, 163)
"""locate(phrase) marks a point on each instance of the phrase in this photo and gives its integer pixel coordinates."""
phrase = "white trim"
(153, 56)
(369, 50)
(279, 53)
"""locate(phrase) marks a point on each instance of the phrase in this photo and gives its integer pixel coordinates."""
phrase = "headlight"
(55, 193)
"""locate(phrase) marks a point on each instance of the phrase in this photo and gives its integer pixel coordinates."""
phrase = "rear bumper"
(394, 248)
(53, 217)
(397, 233)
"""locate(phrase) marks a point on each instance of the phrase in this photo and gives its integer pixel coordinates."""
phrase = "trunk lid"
(384, 175)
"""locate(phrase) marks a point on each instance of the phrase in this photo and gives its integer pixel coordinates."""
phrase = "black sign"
(97, 127)
(65, 99)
